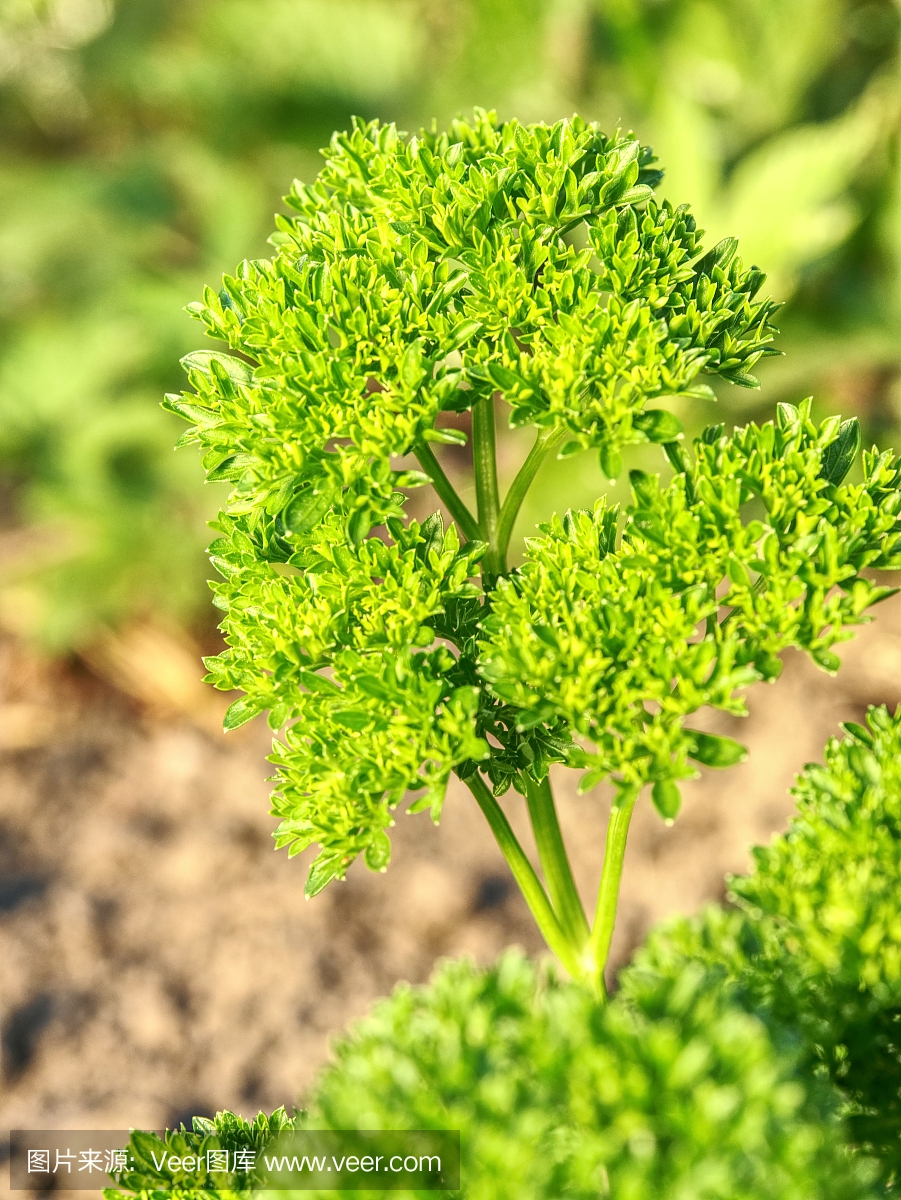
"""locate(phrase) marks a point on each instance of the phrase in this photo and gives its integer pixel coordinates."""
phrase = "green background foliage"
(146, 143)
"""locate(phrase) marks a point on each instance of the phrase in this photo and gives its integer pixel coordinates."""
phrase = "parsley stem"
(447, 493)
(608, 893)
(554, 860)
(484, 460)
(547, 440)
(526, 879)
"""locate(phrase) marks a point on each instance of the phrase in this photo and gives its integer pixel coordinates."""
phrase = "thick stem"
(526, 879)
(484, 461)
(547, 440)
(554, 861)
(469, 526)
(608, 893)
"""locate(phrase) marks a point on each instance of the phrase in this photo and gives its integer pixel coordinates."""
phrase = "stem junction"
(582, 950)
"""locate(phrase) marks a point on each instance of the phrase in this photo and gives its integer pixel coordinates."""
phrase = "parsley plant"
(527, 269)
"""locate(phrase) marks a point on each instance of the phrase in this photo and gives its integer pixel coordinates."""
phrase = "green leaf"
(463, 333)
(506, 380)
(372, 686)
(611, 461)
(189, 411)
(532, 717)
(241, 712)
(865, 765)
(433, 799)
(737, 572)
(446, 437)
(826, 659)
(359, 526)
(227, 469)
(412, 370)
(699, 391)
(839, 456)
(432, 534)
(307, 510)
(318, 683)
(858, 733)
(658, 425)
(720, 256)
(787, 417)
(667, 799)
(325, 868)
(713, 750)
(144, 1146)
(458, 400)
(378, 852)
(235, 368)
(356, 719)
(411, 479)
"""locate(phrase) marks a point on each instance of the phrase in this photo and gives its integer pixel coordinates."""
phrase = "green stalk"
(608, 893)
(526, 879)
(554, 861)
(547, 440)
(469, 526)
(484, 461)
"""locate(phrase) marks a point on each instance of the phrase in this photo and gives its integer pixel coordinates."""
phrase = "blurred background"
(153, 956)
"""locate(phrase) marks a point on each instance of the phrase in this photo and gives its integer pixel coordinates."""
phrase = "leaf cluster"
(156, 1180)
(815, 943)
(697, 599)
(423, 273)
(440, 272)
(395, 710)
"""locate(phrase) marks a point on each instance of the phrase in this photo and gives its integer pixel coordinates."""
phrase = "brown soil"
(158, 959)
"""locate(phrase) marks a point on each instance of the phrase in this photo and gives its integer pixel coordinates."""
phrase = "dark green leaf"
(611, 461)
(859, 733)
(667, 798)
(712, 750)
(658, 425)
(839, 456)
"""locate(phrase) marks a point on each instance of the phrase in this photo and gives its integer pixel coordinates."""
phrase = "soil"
(159, 960)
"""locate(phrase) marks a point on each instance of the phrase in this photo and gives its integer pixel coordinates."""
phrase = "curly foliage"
(422, 274)
(606, 637)
(437, 273)
(681, 1095)
(150, 1176)
(816, 942)
(394, 713)
(583, 641)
